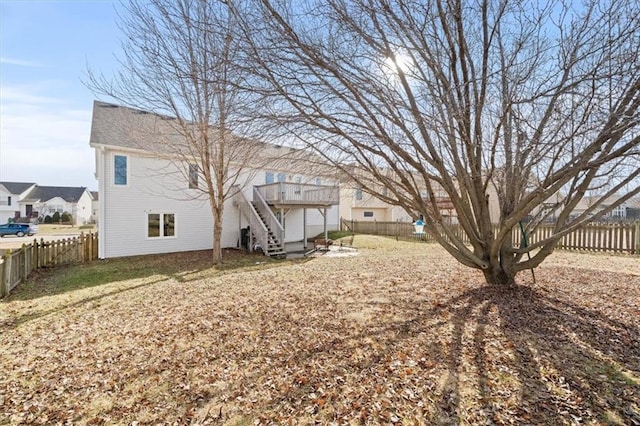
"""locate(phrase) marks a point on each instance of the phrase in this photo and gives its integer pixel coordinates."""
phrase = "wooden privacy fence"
(17, 264)
(608, 237)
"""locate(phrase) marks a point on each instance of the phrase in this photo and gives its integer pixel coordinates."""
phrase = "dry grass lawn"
(398, 334)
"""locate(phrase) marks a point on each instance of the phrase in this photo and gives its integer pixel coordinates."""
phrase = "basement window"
(160, 225)
(368, 214)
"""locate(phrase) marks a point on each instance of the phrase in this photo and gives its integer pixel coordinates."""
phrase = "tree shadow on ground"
(519, 356)
(564, 361)
(182, 267)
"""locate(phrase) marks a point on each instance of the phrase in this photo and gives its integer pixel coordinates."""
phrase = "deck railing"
(299, 193)
(258, 229)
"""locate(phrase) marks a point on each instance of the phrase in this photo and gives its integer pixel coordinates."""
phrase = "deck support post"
(284, 231)
(326, 232)
(304, 228)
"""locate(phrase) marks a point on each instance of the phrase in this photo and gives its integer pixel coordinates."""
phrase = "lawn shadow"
(182, 267)
(520, 356)
(566, 361)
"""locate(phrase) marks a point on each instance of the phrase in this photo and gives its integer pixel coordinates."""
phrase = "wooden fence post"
(5, 280)
(637, 237)
(2, 279)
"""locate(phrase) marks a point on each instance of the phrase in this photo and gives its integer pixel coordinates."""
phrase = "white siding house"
(146, 205)
(10, 195)
(47, 200)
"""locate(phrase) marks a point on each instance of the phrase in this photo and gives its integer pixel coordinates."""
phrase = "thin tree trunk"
(217, 240)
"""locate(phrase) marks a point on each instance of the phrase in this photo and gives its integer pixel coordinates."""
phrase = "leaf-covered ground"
(398, 334)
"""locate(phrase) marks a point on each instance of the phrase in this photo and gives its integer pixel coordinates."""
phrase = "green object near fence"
(524, 242)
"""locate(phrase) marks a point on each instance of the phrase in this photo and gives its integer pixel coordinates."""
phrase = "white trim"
(160, 237)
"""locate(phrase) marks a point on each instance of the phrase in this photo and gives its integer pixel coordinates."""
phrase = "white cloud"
(19, 62)
(44, 139)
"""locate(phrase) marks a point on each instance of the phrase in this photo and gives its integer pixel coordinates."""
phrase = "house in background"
(95, 206)
(626, 211)
(148, 204)
(10, 195)
(358, 204)
(47, 200)
(355, 204)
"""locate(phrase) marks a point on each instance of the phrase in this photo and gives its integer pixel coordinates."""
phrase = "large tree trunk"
(502, 267)
(498, 275)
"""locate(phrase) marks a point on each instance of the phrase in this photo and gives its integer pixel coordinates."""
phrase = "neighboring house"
(95, 207)
(357, 204)
(628, 210)
(10, 195)
(47, 200)
(147, 205)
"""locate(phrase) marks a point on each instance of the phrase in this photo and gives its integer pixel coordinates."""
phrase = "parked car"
(18, 229)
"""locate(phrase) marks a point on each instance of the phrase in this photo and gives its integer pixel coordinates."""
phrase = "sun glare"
(400, 62)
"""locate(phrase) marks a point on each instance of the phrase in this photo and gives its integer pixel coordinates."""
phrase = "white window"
(193, 176)
(120, 170)
(160, 225)
(268, 177)
(298, 188)
(358, 193)
(620, 212)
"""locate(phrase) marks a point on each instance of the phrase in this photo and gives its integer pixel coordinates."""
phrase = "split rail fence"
(596, 237)
(17, 264)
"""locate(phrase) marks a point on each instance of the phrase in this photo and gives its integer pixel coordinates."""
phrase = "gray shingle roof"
(46, 193)
(17, 187)
(118, 126)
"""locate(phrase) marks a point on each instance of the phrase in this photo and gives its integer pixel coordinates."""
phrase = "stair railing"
(270, 219)
(258, 228)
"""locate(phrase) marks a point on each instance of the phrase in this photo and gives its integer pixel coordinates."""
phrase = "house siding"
(83, 209)
(7, 211)
(155, 186)
(124, 210)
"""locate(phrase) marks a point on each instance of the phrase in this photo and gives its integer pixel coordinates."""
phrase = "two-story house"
(10, 195)
(151, 202)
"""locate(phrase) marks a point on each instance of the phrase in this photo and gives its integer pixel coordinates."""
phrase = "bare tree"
(519, 100)
(181, 62)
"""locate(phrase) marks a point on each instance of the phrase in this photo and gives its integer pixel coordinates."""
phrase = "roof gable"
(46, 193)
(127, 128)
(17, 187)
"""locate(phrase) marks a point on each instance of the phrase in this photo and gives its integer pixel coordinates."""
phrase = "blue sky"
(45, 109)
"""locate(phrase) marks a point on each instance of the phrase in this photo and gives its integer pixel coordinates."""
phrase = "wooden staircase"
(274, 247)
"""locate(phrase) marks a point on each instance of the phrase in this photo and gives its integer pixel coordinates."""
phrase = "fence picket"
(595, 237)
(17, 265)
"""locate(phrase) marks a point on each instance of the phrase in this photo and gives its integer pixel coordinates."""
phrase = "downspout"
(102, 195)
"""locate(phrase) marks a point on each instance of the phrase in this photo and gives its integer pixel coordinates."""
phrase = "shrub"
(66, 218)
(48, 219)
(56, 217)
